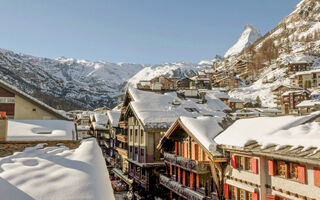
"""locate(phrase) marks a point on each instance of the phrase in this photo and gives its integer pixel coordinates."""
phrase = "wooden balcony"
(123, 124)
(188, 164)
(180, 189)
(122, 138)
(140, 180)
(123, 152)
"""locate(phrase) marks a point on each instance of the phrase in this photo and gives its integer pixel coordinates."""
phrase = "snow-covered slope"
(66, 83)
(248, 37)
(180, 69)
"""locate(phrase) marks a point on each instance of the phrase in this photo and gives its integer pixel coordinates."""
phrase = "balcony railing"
(193, 165)
(180, 189)
(122, 138)
(122, 152)
(123, 124)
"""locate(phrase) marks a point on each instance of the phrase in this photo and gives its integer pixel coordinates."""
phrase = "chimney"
(3, 126)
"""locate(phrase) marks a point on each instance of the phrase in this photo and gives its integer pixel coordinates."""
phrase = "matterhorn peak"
(248, 36)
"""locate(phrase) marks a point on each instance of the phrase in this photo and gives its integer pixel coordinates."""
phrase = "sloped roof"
(114, 117)
(279, 131)
(33, 100)
(157, 111)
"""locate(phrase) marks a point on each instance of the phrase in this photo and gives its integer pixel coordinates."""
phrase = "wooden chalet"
(229, 82)
(291, 99)
(293, 67)
(280, 89)
(193, 167)
(111, 137)
(162, 83)
(185, 83)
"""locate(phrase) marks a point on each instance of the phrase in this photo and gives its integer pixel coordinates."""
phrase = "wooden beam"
(214, 174)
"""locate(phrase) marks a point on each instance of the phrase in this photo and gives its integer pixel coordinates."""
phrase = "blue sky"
(139, 31)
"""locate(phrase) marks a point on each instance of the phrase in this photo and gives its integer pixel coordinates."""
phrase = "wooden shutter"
(316, 176)
(182, 146)
(187, 150)
(254, 165)
(195, 151)
(271, 168)
(270, 197)
(255, 196)
(233, 161)
(197, 181)
(170, 170)
(176, 148)
(179, 175)
(226, 191)
(302, 174)
(191, 180)
(184, 177)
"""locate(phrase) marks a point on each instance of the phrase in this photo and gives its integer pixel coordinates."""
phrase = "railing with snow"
(193, 165)
(180, 189)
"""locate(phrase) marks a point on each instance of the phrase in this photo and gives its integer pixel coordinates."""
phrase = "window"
(131, 135)
(293, 171)
(141, 138)
(191, 110)
(136, 135)
(248, 164)
(282, 168)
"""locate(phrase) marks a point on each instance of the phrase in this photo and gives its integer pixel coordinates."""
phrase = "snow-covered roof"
(158, 111)
(295, 92)
(204, 129)
(235, 100)
(97, 126)
(266, 131)
(83, 128)
(101, 118)
(309, 103)
(297, 58)
(268, 110)
(217, 94)
(287, 86)
(307, 72)
(29, 130)
(114, 117)
(56, 173)
(33, 100)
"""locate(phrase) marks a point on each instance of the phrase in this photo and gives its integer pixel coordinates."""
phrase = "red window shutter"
(186, 150)
(271, 167)
(226, 191)
(179, 178)
(270, 197)
(184, 177)
(170, 170)
(302, 174)
(254, 165)
(191, 180)
(255, 196)
(317, 177)
(233, 161)
(176, 148)
(197, 181)
(195, 151)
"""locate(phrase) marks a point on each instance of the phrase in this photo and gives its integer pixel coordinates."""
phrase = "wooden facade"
(291, 99)
(191, 171)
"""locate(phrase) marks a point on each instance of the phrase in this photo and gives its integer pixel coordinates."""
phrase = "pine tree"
(258, 102)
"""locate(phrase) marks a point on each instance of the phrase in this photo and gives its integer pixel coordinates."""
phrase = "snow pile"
(205, 129)
(101, 118)
(161, 110)
(248, 37)
(263, 90)
(279, 131)
(27, 130)
(56, 173)
(114, 117)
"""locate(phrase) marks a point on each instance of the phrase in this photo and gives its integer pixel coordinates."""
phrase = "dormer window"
(191, 110)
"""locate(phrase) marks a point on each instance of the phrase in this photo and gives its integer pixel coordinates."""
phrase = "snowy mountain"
(296, 38)
(66, 83)
(69, 83)
(248, 37)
